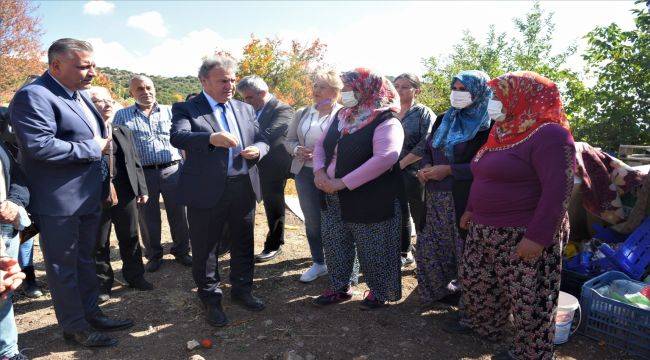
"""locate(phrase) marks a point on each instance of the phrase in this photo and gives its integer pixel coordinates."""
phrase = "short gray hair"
(252, 82)
(65, 47)
(139, 77)
(216, 61)
(413, 79)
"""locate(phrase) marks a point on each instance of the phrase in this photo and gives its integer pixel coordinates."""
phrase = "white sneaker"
(313, 273)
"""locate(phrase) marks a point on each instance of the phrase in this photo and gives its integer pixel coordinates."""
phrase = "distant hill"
(168, 89)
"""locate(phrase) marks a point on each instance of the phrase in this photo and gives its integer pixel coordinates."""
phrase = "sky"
(169, 38)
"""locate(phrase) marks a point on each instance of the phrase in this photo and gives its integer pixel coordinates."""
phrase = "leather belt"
(161, 166)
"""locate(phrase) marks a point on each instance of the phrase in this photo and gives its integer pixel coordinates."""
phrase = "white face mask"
(348, 99)
(460, 99)
(494, 110)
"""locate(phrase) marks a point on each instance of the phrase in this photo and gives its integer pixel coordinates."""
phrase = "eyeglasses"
(104, 102)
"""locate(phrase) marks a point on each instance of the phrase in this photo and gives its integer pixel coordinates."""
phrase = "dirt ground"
(290, 327)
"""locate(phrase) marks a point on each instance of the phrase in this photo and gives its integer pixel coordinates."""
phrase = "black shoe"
(455, 327)
(452, 299)
(370, 302)
(267, 255)
(103, 297)
(185, 260)
(104, 323)
(141, 284)
(89, 339)
(330, 297)
(249, 301)
(215, 316)
(503, 355)
(18, 356)
(153, 265)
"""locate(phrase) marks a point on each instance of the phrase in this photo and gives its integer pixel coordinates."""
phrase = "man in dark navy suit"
(219, 183)
(61, 138)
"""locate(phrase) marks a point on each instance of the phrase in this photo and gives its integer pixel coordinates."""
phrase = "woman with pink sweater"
(355, 165)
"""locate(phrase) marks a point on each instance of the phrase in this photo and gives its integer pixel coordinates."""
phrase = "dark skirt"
(437, 248)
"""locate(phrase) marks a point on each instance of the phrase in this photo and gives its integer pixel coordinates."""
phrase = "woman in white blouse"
(305, 129)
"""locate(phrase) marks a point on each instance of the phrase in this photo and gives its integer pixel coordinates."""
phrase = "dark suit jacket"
(203, 176)
(57, 152)
(123, 137)
(274, 122)
(15, 186)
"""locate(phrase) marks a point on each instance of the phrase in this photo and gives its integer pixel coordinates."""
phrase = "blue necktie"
(237, 162)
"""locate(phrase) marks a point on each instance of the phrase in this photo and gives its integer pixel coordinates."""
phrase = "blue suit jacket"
(203, 176)
(57, 152)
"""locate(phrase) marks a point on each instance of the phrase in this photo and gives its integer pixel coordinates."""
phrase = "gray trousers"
(163, 181)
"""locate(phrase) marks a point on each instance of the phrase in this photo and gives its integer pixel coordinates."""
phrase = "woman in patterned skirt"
(517, 217)
(355, 165)
(454, 140)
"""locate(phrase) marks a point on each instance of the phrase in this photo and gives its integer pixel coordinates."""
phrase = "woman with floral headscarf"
(453, 142)
(355, 166)
(523, 177)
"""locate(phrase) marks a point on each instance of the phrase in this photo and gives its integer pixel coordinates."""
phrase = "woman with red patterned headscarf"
(517, 217)
(355, 165)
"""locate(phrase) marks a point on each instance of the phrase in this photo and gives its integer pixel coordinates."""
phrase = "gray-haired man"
(61, 139)
(150, 124)
(273, 117)
(219, 183)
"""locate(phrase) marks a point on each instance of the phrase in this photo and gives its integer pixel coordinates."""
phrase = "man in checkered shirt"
(150, 124)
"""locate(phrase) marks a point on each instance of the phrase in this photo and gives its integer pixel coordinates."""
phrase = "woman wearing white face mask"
(455, 138)
(517, 217)
(355, 166)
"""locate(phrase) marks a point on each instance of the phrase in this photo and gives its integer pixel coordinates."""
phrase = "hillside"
(169, 90)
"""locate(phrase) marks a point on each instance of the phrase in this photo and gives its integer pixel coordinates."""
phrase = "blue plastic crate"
(633, 256)
(615, 323)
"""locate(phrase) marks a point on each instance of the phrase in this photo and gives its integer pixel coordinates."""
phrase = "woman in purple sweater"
(517, 216)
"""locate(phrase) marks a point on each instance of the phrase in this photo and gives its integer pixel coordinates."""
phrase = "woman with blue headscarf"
(455, 138)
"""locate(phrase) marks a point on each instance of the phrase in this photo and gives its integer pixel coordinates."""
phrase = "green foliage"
(168, 90)
(617, 108)
(614, 111)
(469, 54)
(287, 72)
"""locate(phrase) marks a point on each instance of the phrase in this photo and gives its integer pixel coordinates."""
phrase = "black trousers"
(273, 197)
(125, 217)
(67, 243)
(237, 209)
(411, 201)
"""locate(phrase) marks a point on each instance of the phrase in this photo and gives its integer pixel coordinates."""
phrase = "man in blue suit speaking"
(219, 183)
(61, 138)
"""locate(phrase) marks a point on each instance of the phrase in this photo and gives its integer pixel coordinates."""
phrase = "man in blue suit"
(61, 138)
(219, 183)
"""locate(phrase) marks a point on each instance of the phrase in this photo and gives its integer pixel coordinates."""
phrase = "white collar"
(213, 103)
